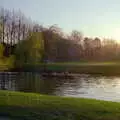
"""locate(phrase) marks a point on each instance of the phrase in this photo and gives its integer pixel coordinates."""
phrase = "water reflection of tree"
(33, 82)
(7, 80)
(2, 80)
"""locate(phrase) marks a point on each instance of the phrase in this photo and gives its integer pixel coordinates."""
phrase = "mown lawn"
(30, 106)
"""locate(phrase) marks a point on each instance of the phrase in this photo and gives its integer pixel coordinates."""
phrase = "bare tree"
(76, 36)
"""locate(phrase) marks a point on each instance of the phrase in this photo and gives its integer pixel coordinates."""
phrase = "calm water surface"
(81, 85)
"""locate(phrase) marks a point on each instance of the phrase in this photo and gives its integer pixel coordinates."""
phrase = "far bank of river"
(109, 68)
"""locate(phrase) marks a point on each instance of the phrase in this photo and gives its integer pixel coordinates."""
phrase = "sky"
(94, 18)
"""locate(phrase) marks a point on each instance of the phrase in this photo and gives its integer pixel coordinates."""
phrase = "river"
(81, 85)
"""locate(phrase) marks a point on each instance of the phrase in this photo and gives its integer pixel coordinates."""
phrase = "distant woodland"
(22, 41)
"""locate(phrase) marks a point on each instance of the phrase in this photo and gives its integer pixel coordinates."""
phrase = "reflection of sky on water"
(105, 88)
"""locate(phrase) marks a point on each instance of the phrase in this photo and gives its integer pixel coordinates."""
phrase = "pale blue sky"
(92, 17)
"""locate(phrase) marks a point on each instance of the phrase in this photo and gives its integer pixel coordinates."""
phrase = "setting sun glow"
(116, 34)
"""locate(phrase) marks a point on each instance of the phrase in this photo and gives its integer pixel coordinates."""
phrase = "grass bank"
(29, 106)
(105, 68)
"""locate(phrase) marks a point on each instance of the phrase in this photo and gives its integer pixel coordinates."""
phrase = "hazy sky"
(92, 17)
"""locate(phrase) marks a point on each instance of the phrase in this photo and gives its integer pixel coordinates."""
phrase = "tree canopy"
(30, 50)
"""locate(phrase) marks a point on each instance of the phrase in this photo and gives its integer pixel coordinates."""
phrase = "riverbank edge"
(35, 106)
(79, 68)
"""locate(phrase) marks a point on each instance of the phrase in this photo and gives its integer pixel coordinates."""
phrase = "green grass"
(105, 68)
(86, 63)
(80, 63)
(29, 106)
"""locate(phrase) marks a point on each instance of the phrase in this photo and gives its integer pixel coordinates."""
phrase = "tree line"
(26, 42)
